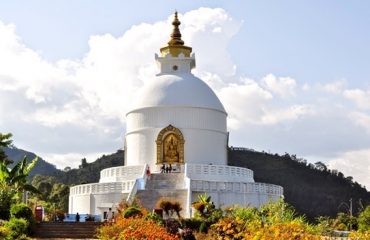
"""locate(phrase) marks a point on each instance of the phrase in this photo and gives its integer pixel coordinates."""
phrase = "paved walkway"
(64, 238)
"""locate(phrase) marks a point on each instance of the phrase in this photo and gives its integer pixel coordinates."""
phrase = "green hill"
(312, 190)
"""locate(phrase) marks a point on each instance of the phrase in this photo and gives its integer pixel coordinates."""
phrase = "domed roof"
(178, 90)
(175, 85)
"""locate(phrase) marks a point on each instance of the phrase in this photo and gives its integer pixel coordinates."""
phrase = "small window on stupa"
(175, 67)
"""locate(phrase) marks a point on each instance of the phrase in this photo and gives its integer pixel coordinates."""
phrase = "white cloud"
(72, 160)
(335, 87)
(361, 119)
(360, 97)
(242, 101)
(354, 163)
(306, 87)
(249, 102)
(283, 86)
(274, 116)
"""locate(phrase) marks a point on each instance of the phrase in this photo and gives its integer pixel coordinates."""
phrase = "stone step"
(66, 230)
(167, 176)
(149, 198)
(64, 235)
(163, 184)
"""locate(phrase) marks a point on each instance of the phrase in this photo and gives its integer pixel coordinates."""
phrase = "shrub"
(215, 215)
(192, 223)
(172, 226)
(18, 227)
(21, 210)
(60, 215)
(155, 218)
(134, 228)
(229, 228)
(246, 214)
(204, 205)
(360, 235)
(203, 228)
(166, 205)
(132, 212)
(286, 231)
(4, 232)
(169, 206)
(187, 234)
(364, 220)
(6, 200)
(176, 207)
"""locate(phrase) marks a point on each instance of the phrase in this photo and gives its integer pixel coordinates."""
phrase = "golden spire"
(176, 35)
(176, 44)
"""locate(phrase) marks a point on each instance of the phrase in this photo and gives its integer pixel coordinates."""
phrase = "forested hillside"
(311, 188)
(90, 172)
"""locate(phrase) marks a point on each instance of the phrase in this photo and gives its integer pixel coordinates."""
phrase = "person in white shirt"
(110, 215)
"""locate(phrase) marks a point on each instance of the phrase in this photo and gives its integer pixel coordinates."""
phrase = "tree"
(54, 193)
(5, 141)
(13, 182)
(44, 184)
(83, 163)
(364, 220)
(66, 169)
(320, 166)
(60, 196)
(17, 176)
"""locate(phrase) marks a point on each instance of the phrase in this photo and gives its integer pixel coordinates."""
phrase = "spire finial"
(176, 35)
(176, 45)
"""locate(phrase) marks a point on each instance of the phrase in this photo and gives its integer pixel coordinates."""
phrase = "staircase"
(163, 185)
(76, 230)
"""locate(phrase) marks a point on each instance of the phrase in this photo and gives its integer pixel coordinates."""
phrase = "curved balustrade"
(96, 188)
(261, 188)
(122, 173)
(218, 173)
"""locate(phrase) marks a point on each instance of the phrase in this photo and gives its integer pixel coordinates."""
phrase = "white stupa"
(177, 119)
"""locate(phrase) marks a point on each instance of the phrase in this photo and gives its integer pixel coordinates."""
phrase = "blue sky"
(309, 40)
(294, 76)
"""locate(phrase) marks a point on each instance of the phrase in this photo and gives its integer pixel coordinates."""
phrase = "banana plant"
(17, 176)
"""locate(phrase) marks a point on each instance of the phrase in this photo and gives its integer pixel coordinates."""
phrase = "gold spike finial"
(176, 44)
(176, 35)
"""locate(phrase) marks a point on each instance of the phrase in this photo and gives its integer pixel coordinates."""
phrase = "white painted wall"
(204, 131)
(121, 174)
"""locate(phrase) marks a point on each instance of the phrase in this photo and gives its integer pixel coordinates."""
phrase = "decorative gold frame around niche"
(160, 144)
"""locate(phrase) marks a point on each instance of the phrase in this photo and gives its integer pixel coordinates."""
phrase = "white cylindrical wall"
(204, 132)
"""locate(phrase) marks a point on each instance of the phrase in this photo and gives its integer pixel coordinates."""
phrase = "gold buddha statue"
(171, 153)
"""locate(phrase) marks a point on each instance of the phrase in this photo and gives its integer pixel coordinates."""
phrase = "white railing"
(96, 188)
(218, 173)
(122, 173)
(187, 183)
(138, 185)
(219, 186)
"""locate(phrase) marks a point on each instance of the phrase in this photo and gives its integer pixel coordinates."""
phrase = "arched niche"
(170, 146)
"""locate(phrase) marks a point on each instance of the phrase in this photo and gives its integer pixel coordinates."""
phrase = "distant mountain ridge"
(42, 167)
